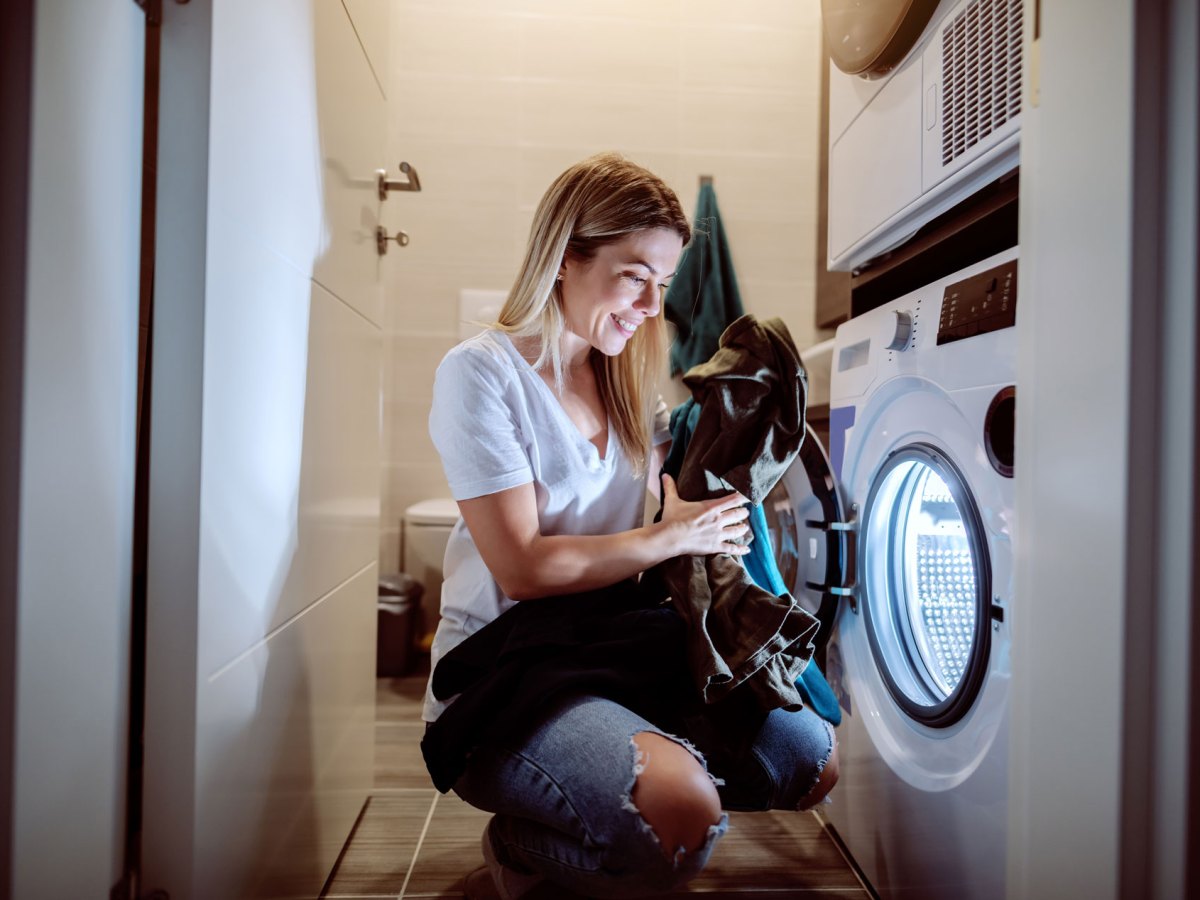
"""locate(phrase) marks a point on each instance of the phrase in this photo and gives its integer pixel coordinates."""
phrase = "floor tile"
(398, 760)
(772, 855)
(380, 851)
(450, 849)
(400, 699)
(776, 851)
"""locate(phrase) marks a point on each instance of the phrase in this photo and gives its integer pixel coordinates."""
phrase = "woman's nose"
(651, 298)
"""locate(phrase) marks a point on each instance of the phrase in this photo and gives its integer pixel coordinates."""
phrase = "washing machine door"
(870, 39)
(810, 535)
(924, 581)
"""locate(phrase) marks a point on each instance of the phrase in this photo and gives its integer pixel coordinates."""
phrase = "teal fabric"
(703, 299)
(760, 563)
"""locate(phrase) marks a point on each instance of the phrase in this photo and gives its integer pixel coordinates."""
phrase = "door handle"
(412, 184)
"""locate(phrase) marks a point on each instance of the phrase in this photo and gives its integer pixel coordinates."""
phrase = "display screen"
(979, 305)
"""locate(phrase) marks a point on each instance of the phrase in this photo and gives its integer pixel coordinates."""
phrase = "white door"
(264, 486)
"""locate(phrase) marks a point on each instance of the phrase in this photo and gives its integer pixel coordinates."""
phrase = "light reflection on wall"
(265, 231)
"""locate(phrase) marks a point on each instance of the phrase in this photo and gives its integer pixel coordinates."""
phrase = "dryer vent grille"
(981, 73)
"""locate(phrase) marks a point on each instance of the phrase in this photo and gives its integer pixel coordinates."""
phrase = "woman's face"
(605, 299)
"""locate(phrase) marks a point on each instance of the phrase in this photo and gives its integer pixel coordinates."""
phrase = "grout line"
(287, 623)
(337, 864)
(832, 833)
(366, 55)
(420, 843)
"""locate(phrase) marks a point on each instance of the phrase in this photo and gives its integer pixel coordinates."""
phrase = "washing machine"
(905, 544)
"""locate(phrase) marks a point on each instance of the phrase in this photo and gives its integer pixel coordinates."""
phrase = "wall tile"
(684, 87)
(421, 297)
(539, 166)
(749, 123)
(718, 57)
(415, 358)
(481, 171)
(463, 110)
(633, 12)
(606, 52)
(760, 13)
(773, 251)
(778, 188)
(450, 231)
(409, 484)
(389, 550)
(790, 300)
(454, 39)
(407, 442)
(621, 117)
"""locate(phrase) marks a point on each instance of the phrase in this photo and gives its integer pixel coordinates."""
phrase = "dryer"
(908, 548)
(924, 111)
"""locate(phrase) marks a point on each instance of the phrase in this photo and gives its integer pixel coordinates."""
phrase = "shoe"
(507, 884)
(480, 886)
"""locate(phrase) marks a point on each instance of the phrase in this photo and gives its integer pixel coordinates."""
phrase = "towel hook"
(705, 179)
(412, 184)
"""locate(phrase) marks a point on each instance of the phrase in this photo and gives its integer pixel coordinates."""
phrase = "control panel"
(979, 304)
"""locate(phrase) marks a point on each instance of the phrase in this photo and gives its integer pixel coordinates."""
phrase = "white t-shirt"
(497, 425)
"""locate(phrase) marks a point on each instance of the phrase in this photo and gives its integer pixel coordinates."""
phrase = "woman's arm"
(527, 564)
(658, 454)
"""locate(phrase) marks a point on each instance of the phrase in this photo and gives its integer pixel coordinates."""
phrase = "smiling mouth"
(626, 327)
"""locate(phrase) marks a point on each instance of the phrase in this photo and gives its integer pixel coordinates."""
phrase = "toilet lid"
(439, 511)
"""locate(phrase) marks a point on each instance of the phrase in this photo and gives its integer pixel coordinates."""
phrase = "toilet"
(426, 529)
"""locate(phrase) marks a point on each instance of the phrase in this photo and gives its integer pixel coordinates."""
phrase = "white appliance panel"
(870, 177)
(958, 94)
(923, 807)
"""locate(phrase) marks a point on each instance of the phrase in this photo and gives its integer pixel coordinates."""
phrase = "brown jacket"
(751, 395)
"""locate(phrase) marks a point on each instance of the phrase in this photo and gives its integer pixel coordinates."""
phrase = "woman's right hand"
(704, 527)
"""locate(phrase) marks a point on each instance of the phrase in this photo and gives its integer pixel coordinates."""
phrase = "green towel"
(703, 299)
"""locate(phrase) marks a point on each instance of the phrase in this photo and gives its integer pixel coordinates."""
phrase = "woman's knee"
(674, 794)
(827, 779)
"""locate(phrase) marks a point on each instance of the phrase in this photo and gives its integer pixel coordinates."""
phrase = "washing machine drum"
(810, 536)
(871, 39)
(924, 584)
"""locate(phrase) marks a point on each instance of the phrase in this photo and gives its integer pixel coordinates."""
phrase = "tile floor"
(411, 841)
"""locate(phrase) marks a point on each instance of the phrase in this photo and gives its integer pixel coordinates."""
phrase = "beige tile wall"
(493, 98)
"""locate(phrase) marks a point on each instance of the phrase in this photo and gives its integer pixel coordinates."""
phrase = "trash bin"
(399, 601)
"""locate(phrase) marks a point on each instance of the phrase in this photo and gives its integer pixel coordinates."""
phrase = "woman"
(547, 428)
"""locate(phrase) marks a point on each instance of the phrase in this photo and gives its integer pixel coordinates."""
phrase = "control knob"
(902, 330)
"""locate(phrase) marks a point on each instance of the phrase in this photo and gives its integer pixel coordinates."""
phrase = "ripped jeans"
(562, 797)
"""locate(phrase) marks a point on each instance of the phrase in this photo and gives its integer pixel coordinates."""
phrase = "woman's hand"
(704, 527)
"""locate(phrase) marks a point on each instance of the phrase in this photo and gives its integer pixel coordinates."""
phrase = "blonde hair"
(596, 202)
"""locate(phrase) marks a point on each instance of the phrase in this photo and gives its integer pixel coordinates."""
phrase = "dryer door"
(870, 39)
(810, 535)
(925, 584)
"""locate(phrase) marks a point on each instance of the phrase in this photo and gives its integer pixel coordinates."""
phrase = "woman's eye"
(636, 279)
